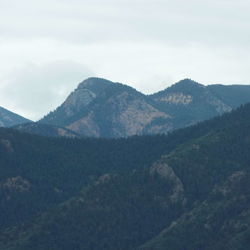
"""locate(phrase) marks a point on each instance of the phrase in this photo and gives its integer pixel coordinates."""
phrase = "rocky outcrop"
(101, 108)
(86, 126)
(168, 173)
(176, 98)
(16, 184)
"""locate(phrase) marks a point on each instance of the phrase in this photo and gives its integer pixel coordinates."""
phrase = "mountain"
(8, 118)
(189, 102)
(45, 130)
(101, 108)
(231, 95)
(187, 190)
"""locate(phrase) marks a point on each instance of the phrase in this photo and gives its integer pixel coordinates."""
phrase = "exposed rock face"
(79, 98)
(86, 126)
(189, 102)
(176, 98)
(168, 173)
(232, 183)
(13, 187)
(135, 115)
(220, 107)
(102, 108)
(186, 99)
(8, 118)
(16, 184)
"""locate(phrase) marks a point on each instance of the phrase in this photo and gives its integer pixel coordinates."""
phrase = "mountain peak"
(91, 81)
(188, 82)
(185, 86)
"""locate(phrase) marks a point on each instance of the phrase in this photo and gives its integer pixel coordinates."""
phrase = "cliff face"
(102, 108)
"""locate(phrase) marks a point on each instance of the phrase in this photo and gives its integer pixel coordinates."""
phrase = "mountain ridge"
(116, 111)
(9, 118)
(101, 108)
(45, 130)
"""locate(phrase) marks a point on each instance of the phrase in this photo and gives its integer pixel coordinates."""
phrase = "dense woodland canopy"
(186, 190)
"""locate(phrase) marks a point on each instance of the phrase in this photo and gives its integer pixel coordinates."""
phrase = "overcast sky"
(48, 46)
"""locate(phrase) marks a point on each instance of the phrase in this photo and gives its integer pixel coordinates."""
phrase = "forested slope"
(188, 190)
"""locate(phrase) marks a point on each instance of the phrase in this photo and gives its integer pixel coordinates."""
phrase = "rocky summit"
(101, 108)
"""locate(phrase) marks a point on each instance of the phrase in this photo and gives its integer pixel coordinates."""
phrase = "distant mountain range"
(8, 118)
(101, 108)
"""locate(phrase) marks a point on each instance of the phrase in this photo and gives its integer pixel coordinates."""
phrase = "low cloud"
(148, 44)
(214, 22)
(37, 89)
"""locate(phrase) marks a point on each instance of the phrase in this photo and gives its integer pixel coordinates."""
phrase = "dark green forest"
(186, 190)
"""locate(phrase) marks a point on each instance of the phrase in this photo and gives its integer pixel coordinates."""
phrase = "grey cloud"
(37, 89)
(146, 43)
(175, 22)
